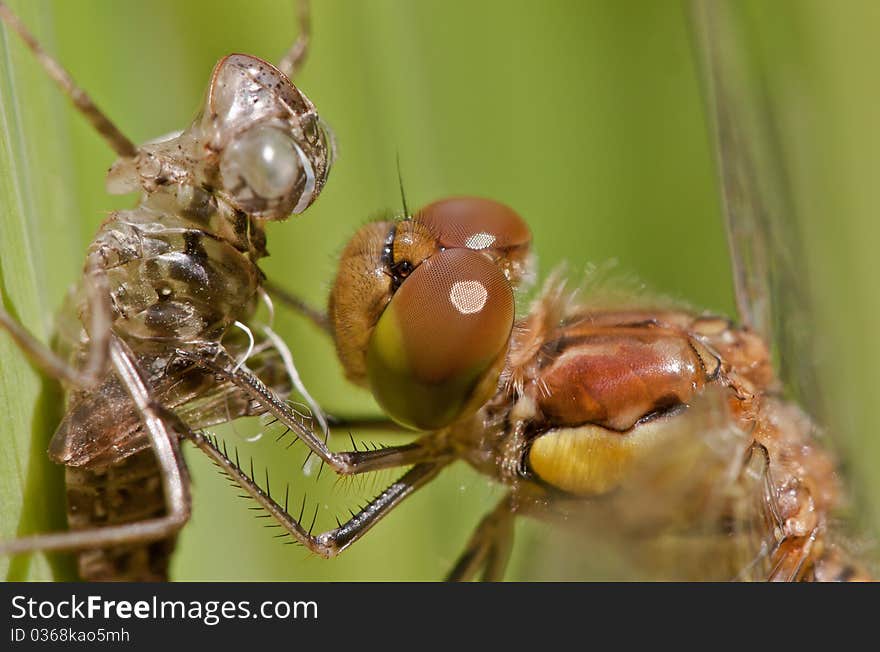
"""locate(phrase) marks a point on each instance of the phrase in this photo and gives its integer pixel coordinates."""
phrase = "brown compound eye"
(438, 348)
(481, 225)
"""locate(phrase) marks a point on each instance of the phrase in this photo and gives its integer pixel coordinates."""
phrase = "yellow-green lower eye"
(435, 354)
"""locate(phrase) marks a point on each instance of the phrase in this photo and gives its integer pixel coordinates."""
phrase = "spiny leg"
(174, 484)
(489, 546)
(322, 321)
(294, 58)
(332, 542)
(295, 380)
(100, 318)
(428, 448)
(80, 99)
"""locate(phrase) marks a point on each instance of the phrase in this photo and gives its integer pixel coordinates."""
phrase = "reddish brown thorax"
(615, 376)
(613, 369)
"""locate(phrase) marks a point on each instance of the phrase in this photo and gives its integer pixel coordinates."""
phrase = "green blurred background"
(584, 116)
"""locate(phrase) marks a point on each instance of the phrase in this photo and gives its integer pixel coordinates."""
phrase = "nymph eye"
(265, 161)
(437, 350)
(481, 225)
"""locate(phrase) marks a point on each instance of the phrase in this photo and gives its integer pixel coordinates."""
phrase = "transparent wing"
(770, 282)
(101, 427)
(695, 509)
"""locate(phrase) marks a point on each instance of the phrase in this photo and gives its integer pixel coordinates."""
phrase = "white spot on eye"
(479, 241)
(468, 297)
(268, 154)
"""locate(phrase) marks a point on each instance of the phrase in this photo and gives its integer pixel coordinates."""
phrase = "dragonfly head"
(422, 308)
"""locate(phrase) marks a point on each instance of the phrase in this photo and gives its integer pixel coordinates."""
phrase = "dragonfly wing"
(697, 508)
(101, 427)
(769, 272)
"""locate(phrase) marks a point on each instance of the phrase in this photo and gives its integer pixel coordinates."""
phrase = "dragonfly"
(440, 479)
(624, 415)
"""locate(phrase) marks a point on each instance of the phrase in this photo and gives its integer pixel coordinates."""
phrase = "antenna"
(80, 99)
(402, 193)
(296, 55)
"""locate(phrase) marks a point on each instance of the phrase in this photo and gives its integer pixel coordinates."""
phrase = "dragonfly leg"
(489, 546)
(322, 322)
(785, 554)
(791, 555)
(432, 447)
(296, 55)
(163, 439)
(80, 99)
(100, 319)
(331, 542)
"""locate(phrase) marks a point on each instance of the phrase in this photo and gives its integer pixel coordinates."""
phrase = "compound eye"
(262, 165)
(438, 348)
(475, 223)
